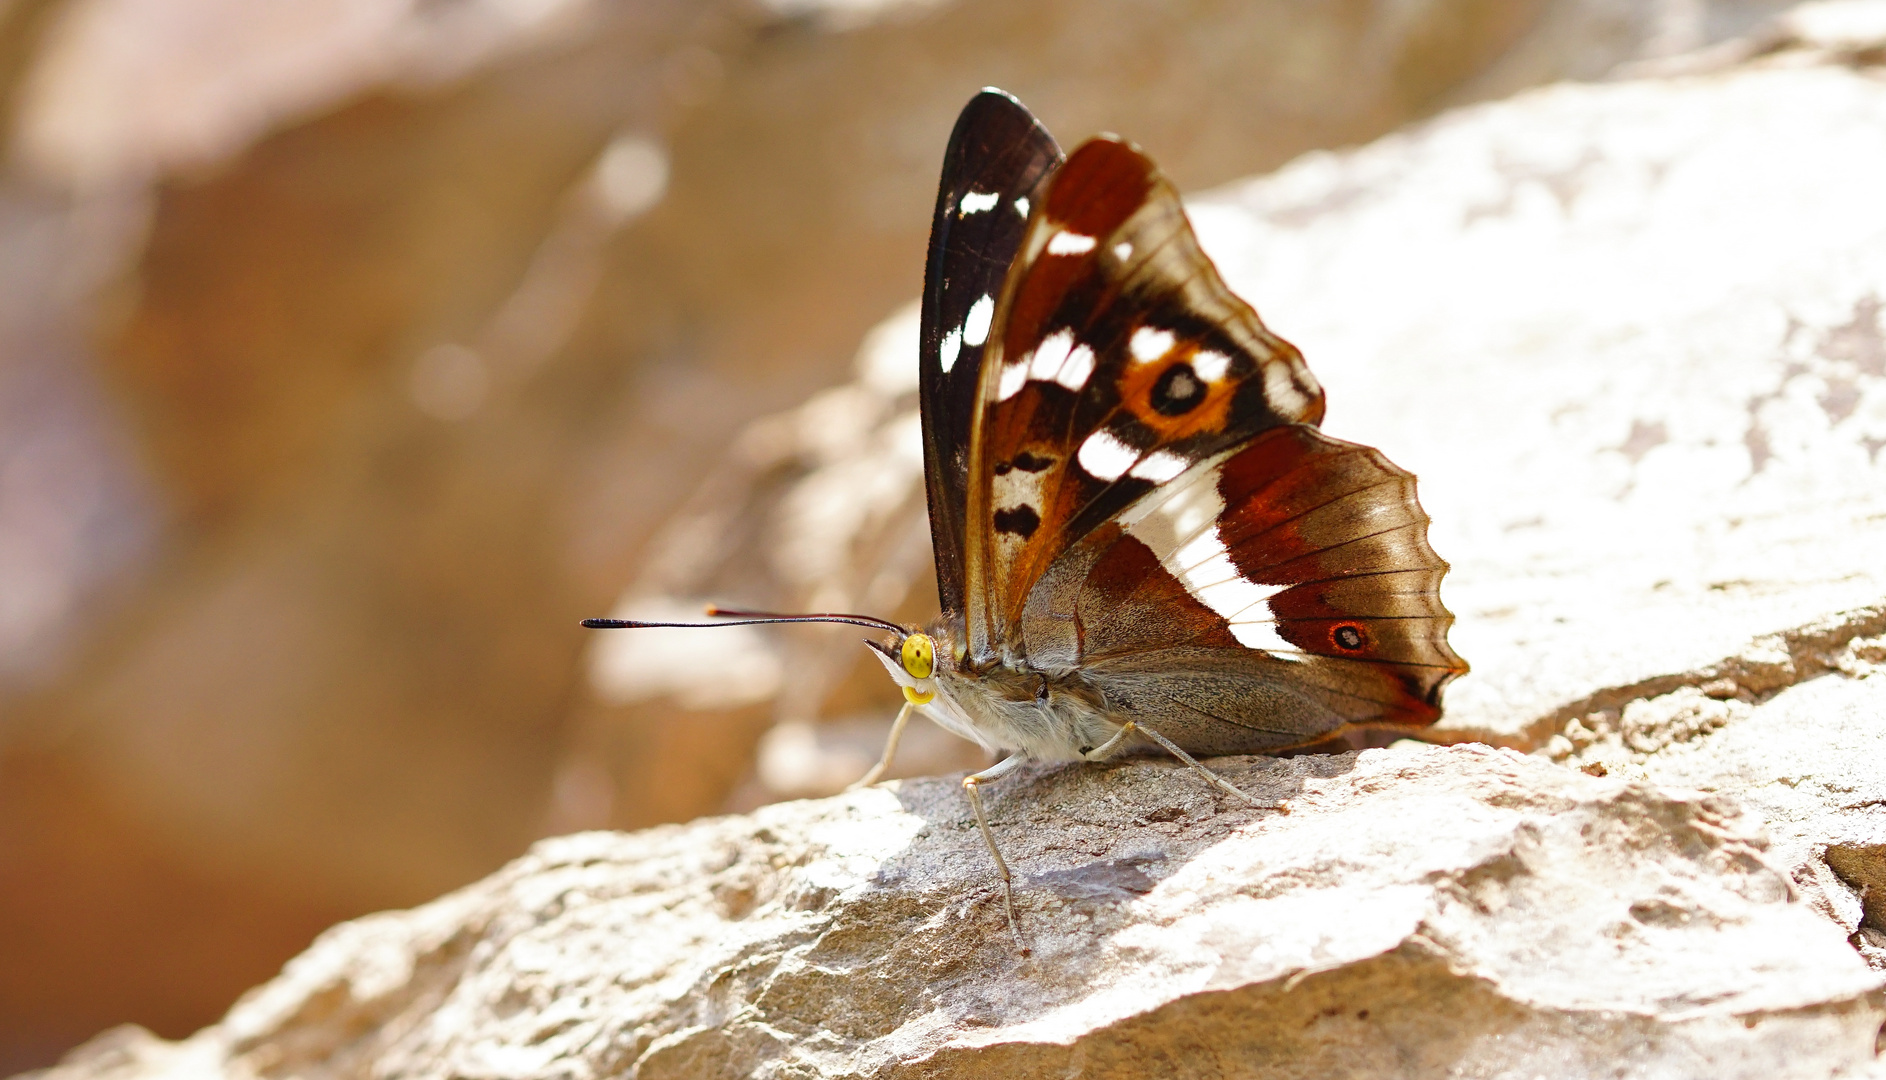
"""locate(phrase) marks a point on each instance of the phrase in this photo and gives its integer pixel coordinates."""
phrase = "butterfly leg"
(971, 784)
(890, 750)
(1191, 761)
(1099, 753)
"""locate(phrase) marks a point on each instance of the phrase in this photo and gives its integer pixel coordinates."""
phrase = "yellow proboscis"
(912, 695)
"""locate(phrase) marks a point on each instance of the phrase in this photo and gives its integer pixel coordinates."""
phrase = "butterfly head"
(912, 662)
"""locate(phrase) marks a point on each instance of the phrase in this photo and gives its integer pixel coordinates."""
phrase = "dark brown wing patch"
(998, 156)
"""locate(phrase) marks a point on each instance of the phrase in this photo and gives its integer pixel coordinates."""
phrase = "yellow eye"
(919, 654)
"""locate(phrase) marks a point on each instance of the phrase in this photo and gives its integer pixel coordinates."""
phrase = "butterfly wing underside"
(997, 158)
(1118, 360)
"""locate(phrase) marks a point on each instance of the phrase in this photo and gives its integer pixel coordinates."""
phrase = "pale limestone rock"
(1629, 337)
(1417, 911)
(1804, 754)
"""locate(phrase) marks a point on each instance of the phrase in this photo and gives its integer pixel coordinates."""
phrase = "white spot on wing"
(1051, 354)
(1204, 567)
(1201, 546)
(976, 325)
(1070, 243)
(1159, 467)
(1013, 378)
(1017, 488)
(1123, 250)
(1021, 207)
(1106, 457)
(1210, 365)
(950, 348)
(1149, 344)
(1264, 636)
(1280, 390)
(1079, 367)
(1165, 519)
(975, 202)
(1058, 359)
(1179, 524)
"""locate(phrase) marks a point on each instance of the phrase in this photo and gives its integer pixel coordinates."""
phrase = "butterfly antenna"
(747, 618)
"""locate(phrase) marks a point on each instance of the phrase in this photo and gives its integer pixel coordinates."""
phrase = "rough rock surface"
(1796, 729)
(1629, 337)
(1414, 911)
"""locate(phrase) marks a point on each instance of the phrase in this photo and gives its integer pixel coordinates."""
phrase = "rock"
(1660, 300)
(1638, 367)
(1417, 911)
(1803, 756)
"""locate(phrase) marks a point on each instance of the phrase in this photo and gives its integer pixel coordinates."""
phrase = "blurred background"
(352, 350)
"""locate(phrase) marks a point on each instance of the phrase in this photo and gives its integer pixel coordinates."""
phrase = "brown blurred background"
(352, 350)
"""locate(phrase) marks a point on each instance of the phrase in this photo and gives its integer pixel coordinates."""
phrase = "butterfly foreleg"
(972, 785)
(890, 750)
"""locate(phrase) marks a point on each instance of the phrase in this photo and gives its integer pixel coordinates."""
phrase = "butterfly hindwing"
(997, 158)
(1117, 361)
(1269, 599)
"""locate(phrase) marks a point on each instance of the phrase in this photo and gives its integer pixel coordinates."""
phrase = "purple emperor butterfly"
(1141, 538)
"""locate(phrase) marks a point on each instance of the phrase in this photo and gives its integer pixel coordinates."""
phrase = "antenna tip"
(602, 624)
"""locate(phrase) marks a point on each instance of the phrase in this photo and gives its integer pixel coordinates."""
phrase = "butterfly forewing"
(1118, 360)
(998, 157)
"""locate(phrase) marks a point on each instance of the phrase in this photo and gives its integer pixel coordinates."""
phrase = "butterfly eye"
(919, 655)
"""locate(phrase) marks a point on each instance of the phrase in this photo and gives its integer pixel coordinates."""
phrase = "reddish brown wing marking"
(1130, 603)
(1291, 591)
(1118, 360)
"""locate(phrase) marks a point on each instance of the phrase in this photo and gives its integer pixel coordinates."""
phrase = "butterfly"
(1142, 540)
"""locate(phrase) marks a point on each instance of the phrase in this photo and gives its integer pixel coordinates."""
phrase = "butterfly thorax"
(1008, 703)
